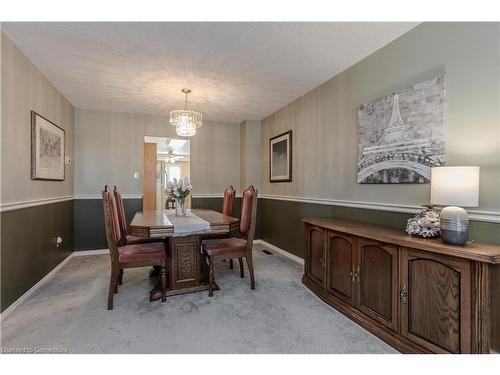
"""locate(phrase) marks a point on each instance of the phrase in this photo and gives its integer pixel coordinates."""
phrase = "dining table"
(186, 267)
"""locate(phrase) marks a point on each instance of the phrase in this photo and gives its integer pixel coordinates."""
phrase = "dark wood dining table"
(187, 270)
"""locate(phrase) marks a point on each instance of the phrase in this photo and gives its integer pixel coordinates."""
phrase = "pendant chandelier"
(184, 121)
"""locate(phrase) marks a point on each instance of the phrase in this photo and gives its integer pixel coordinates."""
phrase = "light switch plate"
(67, 160)
(135, 175)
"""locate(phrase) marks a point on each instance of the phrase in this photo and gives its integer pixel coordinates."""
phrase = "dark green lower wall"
(29, 249)
(90, 233)
(89, 220)
(281, 222)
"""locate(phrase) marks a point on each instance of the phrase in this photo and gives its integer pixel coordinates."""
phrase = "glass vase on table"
(180, 206)
(179, 190)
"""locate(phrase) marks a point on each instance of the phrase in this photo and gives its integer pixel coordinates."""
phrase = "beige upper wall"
(109, 147)
(250, 148)
(24, 89)
(324, 121)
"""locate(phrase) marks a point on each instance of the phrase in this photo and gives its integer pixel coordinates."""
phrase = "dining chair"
(126, 255)
(229, 248)
(227, 207)
(128, 239)
(227, 204)
(170, 203)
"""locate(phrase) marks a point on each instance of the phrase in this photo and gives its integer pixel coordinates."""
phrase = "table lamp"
(455, 187)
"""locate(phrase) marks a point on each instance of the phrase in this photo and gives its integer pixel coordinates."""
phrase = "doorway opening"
(164, 160)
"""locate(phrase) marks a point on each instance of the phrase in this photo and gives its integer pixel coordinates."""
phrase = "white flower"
(432, 215)
(412, 227)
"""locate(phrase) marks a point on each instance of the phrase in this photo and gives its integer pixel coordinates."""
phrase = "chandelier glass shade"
(184, 121)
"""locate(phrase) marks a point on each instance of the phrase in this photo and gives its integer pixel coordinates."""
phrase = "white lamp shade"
(455, 186)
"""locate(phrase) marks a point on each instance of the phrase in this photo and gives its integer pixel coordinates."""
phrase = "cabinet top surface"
(475, 251)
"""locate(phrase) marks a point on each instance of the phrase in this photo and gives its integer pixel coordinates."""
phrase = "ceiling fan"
(171, 158)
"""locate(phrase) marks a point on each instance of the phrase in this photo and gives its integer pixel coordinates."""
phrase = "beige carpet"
(280, 316)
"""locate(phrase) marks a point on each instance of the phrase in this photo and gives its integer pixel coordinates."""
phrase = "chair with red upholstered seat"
(229, 248)
(128, 256)
(128, 239)
(227, 205)
(227, 209)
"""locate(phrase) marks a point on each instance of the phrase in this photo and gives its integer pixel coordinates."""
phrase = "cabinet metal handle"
(404, 294)
(358, 275)
(322, 263)
(353, 274)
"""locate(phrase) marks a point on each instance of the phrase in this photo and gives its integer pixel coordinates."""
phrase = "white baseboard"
(9, 310)
(280, 251)
(83, 253)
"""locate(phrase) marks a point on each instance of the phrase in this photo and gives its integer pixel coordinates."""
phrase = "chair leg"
(163, 281)
(120, 277)
(117, 280)
(250, 270)
(112, 286)
(210, 277)
(231, 264)
(242, 272)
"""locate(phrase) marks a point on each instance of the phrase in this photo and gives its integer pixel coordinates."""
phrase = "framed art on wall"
(47, 149)
(280, 158)
(401, 136)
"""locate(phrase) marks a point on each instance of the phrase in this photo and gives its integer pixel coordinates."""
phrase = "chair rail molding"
(477, 215)
(99, 196)
(11, 206)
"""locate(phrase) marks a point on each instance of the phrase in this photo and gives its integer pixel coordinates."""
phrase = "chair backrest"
(227, 206)
(111, 222)
(121, 213)
(248, 214)
(169, 203)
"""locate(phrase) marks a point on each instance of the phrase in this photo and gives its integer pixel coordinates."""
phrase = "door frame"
(149, 163)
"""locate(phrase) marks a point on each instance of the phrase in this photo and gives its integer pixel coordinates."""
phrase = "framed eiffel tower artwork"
(401, 136)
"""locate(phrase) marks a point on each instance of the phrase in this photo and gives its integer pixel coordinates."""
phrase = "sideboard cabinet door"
(377, 279)
(436, 301)
(315, 254)
(341, 266)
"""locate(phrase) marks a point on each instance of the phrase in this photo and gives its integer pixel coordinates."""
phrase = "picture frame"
(280, 157)
(47, 149)
(401, 136)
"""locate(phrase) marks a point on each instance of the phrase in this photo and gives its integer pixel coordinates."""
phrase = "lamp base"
(454, 225)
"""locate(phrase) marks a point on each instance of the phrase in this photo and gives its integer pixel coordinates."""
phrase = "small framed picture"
(280, 158)
(47, 149)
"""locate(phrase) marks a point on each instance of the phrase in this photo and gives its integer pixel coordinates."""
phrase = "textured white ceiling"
(236, 71)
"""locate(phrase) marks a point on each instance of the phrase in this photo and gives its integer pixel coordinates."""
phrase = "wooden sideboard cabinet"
(418, 295)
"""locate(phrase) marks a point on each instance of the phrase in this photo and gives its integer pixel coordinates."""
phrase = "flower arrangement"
(179, 190)
(424, 224)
